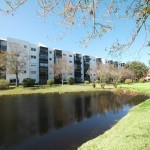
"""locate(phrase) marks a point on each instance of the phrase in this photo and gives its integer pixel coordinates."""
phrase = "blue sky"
(25, 24)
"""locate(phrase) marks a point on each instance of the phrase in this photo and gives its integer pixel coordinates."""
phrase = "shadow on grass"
(36, 87)
(10, 88)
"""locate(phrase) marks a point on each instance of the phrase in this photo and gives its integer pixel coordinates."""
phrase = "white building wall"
(104, 61)
(92, 68)
(26, 47)
(34, 62)
(21, 44)
(69, 56)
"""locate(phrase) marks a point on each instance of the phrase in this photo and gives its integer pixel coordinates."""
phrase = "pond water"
(59, 121)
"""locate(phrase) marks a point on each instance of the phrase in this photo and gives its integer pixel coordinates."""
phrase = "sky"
(26, 25)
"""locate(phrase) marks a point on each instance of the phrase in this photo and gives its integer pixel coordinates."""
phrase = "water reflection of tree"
(27, 116)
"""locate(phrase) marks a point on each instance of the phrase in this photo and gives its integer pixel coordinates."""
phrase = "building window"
(50, 58)
(33, 49)
(33, 57)
(64, 54)
(25, 46)
(93, 59)
(70, 55)
(70, 61)
(33, 65)
(13, 80)
(25, 71)
(50, 52)
(33, 72)
(43, 65)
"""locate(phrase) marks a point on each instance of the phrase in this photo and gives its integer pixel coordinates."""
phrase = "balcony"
(57, 53)
(77, 56)
(44, 50)
(78, 69)
(78, 62)
(86, 58)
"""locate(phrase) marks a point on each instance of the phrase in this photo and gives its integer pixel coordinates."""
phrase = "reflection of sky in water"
(43, 121)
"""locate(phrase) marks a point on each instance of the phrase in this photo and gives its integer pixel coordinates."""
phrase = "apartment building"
(42, 60)
(67, 60)
(32, 65)
(3, 48)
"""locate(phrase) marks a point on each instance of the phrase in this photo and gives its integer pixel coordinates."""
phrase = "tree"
(138, 68)
(126, 74)
(114, 74)
(102, 72)
(99, 15)
(92, 72)
(62, 69)
(110, 73)
(16, 61)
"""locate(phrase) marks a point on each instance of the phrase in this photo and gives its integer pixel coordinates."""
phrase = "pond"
(59, 121)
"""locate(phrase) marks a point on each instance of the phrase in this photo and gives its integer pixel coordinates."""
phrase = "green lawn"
(42, 89)
(137, 87)
(130, 133)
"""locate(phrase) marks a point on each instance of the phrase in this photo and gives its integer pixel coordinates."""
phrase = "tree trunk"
(17, 79)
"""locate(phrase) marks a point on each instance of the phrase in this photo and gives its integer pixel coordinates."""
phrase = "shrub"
(4, 84)
(115, 85)
(103, 85)
(28, 82)
(97, 81)
(71, 81)
(86, 82)
(128, 81)
(50, 82)
(93, 85)
(141, 80)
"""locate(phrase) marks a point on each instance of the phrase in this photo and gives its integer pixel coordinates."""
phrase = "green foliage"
(4, 84)
(141, 80)
(103, 85)
(28, 82)
(97, 81)
(86, 82)
(115, 84)
(131, 132)
(93, 85)
(138, 68)
(71, 81)
(128, 81)
(50, 82)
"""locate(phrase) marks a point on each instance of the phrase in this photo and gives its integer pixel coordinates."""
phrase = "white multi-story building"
(32, 67)
(40, 66)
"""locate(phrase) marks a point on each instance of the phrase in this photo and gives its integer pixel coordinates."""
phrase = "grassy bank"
(130, 133)
(137, 87)
(42, 89)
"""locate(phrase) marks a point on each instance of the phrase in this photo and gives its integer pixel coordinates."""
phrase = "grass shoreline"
(45, 89)
(131, 132)
(128, 133)
(59, 89)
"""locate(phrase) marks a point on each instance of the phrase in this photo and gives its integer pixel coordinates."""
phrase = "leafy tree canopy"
(138, 68)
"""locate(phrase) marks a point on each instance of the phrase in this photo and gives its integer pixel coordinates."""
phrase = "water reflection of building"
(32, 115)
